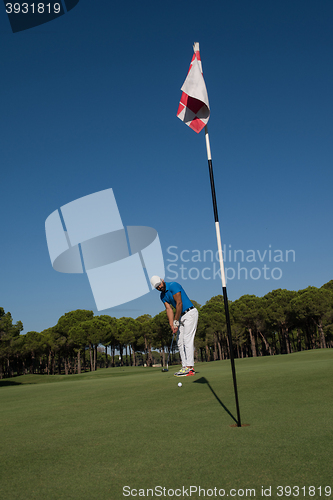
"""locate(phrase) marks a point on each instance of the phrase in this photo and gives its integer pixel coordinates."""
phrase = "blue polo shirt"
(171, 289)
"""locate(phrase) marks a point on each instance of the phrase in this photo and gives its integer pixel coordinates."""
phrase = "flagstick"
(224, 288)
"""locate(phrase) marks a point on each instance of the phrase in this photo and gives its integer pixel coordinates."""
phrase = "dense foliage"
(281, 322)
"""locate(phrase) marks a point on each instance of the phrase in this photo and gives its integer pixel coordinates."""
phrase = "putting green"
(91, 435)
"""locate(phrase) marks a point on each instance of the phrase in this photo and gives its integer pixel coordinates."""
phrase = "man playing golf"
(184, 321)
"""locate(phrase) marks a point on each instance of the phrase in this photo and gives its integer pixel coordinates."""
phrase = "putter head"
(165, 369)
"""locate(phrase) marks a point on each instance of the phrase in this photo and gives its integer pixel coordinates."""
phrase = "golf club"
(167, 365)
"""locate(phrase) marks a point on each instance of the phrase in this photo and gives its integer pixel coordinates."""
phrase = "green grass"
(87, 436)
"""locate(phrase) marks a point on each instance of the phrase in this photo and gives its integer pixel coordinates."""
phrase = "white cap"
(155, 281)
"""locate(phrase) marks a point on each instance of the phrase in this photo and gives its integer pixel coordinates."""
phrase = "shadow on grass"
(203, 380)
(4, 383)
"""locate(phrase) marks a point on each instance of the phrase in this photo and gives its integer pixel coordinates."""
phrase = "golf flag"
(194, 111)
(194, 105)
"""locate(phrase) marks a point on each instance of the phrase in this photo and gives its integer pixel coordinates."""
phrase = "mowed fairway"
(88, 436)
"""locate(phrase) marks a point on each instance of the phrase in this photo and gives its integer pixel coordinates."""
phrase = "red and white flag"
(194, 105)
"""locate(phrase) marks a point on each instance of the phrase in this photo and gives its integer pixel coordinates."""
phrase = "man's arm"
(169, 312)
(179, 305)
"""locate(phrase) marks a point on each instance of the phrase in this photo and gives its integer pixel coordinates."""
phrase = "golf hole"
(243, 425)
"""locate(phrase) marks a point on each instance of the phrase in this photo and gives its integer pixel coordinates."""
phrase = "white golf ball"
(179, 384)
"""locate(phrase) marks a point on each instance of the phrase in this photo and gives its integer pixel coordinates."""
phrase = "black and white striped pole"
(224, 287)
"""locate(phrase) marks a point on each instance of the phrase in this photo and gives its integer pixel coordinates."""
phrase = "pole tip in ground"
(243, 425)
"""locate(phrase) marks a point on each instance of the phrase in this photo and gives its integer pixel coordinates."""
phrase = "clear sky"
(89, 102)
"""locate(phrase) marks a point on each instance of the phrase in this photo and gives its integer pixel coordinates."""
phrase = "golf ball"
(179, 384)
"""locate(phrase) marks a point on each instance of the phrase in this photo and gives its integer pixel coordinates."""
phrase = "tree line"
(280, 322)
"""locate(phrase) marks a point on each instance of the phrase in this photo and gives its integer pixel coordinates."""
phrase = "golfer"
(184, 321)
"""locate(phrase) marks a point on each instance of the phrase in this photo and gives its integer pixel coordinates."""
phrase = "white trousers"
(185, 338)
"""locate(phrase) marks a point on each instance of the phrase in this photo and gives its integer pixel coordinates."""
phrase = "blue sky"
(89, 102)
